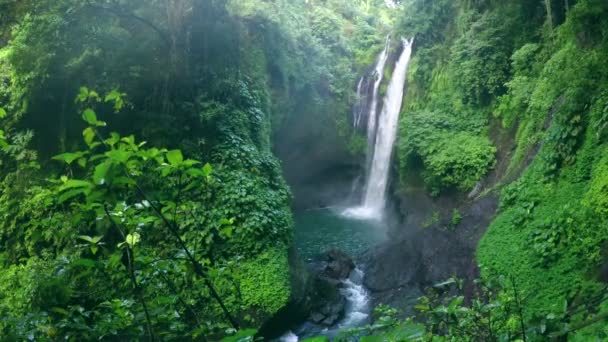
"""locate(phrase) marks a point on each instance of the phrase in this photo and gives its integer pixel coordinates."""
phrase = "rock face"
(329, 271)
(337, 265)
(427, 247)
(316, 161)
(315, 293)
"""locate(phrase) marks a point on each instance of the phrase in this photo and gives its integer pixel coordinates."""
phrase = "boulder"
(338, 265)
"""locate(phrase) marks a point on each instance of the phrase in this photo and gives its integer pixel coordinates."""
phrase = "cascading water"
(356, 313)
(377, 75)
(359, 107)
(357, 298)
(384, 135)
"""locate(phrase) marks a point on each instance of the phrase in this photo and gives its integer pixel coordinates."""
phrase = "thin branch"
(174, 230)
(136, 287)
(182, 302)
(198, 268)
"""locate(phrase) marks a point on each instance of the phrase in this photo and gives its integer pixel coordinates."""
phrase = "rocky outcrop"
(330, 271)
(316, 296)
(430, 246)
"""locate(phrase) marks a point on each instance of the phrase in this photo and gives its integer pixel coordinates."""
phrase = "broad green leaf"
(190, 162)
(75, 183)
(165, 170)
(111, 96)
(2, 113)
(84, 262)
(129, 140)
(119, 156)
(83, 94)
(133, 239)
(89, 135)
(116, 97)
(101, 171)
(207, 169)
(227, 231)
(93, 240)
(71, 194)
(93, 95)
(195, 173)
(86, 238)
(241, 336)
(69, 158)
(175, 157)
(225, 222)
(90, 117)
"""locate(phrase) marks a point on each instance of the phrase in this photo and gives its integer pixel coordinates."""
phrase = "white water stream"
(359, 105)
(357, 307)
(383, 139)
(357, 300)
(377, 76)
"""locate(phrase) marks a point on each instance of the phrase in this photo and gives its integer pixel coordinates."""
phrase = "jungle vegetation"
(140, 198)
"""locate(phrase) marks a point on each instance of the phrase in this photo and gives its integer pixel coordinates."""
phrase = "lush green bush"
(450, 156)
(546, 85)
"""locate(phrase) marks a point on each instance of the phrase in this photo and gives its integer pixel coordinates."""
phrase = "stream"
(320, 230)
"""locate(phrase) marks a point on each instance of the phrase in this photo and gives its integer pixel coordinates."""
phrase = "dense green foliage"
(151, 205)
(510, 69)
(550, 215)
(107, 237)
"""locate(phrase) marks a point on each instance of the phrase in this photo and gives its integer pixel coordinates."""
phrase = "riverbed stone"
(338, 265)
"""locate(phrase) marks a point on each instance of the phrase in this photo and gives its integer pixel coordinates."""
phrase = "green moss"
(452, 153)
(597, 196)
(456, 218)
(264, 281)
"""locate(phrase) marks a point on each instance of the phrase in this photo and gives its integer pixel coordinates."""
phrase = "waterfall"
(377, 76)
(359, 105)
(383, 140)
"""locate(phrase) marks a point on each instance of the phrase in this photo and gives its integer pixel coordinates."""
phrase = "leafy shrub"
(264, 282)
(458, 160)
(456, 218)
(450, 158)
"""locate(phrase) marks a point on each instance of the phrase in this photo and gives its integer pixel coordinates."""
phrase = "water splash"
(289, 337)
(390, 4)
(357, 298)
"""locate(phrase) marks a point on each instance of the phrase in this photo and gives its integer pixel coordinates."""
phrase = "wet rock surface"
(329, 271)
(428, 247)
(316, 296)
(337, 265)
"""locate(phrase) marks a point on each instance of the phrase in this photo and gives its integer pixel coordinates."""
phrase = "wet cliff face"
(431, 244)
(316, 161)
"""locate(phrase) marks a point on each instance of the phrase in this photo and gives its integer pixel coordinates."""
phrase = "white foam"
(289, 337)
